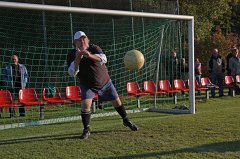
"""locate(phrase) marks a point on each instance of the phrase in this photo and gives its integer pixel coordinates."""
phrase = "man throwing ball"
(87, 62)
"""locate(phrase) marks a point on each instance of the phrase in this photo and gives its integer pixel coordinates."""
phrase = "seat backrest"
(179, 84)
(195, 83)
(73, 92)
(56, 96)
(164, 85)
(229, 80)
(5, 97)
(149, 86)
(28, 95)
(133, 87)
(205, 81)
(238, 78)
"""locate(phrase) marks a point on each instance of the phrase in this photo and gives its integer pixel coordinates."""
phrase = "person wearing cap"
(15, 77)
(87, 62)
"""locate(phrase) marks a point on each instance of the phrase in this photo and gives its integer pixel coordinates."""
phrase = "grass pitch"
(213, 132)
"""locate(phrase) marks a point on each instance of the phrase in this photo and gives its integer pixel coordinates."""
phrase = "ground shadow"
(231, 146)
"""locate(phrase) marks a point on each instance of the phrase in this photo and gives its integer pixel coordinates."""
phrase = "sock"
(86, 116)
(122, 112)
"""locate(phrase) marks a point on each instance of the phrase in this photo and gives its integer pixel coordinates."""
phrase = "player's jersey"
(92, 74)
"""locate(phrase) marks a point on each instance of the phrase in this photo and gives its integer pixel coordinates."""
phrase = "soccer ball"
(133, 60)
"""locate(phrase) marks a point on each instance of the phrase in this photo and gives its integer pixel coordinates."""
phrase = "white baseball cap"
(79, 34)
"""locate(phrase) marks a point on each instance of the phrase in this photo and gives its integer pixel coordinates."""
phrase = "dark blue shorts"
(107, 93)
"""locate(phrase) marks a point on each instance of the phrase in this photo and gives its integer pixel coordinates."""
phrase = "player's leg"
(122, 112)
(109, 93)
(86, 117)
(87, 97)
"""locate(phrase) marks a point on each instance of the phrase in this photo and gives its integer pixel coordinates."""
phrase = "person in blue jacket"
(15, 77)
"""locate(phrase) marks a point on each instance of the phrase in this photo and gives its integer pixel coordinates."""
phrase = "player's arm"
(96, 55)
(72, 69)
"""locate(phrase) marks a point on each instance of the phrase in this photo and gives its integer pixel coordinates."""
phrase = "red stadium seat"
(55, 99)
(229, 80)
(229, 83)
(6, 99)
(200, 88)
(165, 86)
(73, 93)
(150, 87)
(134, 89)
(29, 97)
(205, 82)
(180, 85)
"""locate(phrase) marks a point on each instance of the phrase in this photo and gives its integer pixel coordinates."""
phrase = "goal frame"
(190, 19)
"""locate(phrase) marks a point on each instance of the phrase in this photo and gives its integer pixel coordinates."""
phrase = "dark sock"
(86, 116)
(122, 112)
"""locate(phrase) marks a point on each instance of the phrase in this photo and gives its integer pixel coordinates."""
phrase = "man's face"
(82, 42)
(235, 52)
(174, 54)
(215, 52)
(15, 60)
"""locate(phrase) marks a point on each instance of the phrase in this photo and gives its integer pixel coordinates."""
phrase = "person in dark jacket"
(216, 68)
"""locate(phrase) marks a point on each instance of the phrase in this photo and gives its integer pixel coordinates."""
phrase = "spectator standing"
(216, 68)
(15, 77)
(228, 58)
(234, 67)
(228, 68)
(234, 63)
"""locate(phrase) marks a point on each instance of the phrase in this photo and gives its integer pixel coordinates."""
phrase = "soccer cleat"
(85, 134)
(130, 124)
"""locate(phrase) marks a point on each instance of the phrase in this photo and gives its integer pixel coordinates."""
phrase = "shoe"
(130, 124)
(85, 134)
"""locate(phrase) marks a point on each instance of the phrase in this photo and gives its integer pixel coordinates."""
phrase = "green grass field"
(213, 132)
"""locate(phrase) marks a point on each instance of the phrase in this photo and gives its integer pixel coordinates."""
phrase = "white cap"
(79, 34)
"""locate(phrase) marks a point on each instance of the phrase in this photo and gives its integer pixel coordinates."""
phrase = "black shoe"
(85, 134)
(130, 124)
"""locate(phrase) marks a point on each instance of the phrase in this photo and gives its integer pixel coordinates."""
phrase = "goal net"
(42, 38)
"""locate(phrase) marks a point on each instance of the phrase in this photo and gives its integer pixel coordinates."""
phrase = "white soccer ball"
(133, 60)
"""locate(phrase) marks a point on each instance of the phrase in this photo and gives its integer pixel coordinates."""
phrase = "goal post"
(44, 52)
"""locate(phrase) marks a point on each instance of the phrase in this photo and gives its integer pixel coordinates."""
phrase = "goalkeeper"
(87, 62)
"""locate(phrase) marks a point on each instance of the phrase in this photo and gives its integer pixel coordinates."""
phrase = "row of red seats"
(164, 86)
(29, 97)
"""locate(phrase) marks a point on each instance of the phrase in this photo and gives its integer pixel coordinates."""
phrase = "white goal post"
(190, 20)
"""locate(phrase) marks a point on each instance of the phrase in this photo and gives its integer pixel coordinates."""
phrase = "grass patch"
(213, 132)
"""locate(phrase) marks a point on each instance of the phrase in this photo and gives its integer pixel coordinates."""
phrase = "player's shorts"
(107, 93)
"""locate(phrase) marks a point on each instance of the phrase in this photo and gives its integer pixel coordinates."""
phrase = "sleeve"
(25, 74)
(70, 64)
(71, 70)
(99, 53)
(102, 57)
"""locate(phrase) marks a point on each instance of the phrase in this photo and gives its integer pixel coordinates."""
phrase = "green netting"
(43, 39)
